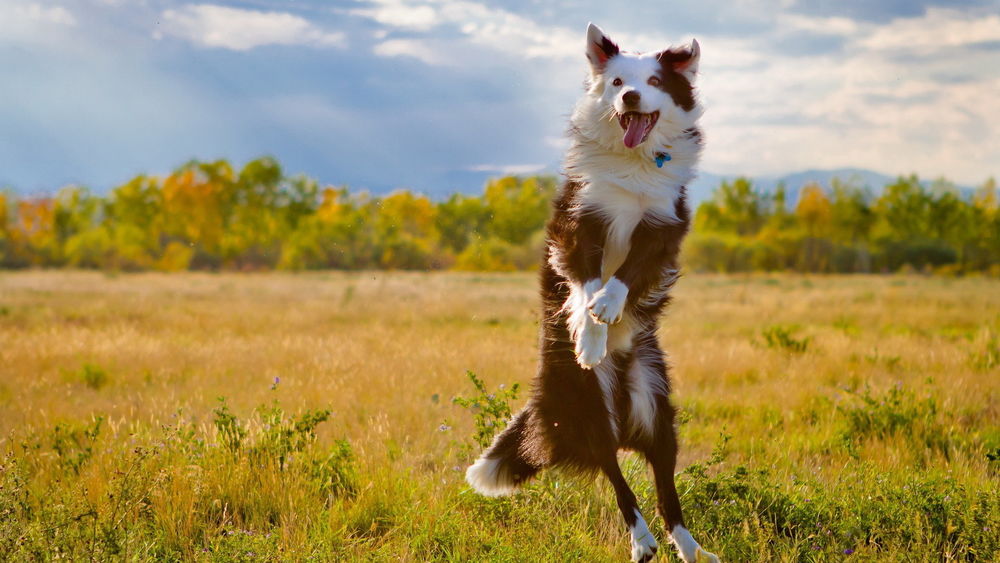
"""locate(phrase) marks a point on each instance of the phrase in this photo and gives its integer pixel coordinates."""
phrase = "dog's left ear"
(684, 61)
(599, 48)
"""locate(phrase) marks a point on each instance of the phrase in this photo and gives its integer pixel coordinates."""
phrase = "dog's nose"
(631, 98)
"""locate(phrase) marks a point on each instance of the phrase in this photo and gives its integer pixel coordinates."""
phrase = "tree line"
(210, 216)
(848, 228)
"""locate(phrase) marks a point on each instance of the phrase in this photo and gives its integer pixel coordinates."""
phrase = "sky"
(436, 95)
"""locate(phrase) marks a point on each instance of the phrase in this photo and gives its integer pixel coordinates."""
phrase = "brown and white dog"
(611, 260)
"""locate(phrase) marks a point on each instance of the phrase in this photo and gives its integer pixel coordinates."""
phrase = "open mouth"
(637, 126)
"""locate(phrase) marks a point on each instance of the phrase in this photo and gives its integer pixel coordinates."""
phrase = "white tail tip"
(488, 478)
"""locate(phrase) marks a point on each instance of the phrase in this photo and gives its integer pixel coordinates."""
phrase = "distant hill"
(701, 189)
(471, 182)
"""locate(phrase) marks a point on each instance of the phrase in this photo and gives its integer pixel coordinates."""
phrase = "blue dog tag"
(662, 157)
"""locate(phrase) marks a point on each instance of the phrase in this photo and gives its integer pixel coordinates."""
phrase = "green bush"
(491, 411)
(781, 338)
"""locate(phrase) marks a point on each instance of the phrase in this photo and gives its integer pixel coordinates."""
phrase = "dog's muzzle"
(637, 126)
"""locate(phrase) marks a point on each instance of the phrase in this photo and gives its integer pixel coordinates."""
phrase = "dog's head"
(635, 95)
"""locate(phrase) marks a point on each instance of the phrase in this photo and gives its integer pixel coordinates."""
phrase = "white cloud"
(866, 105)
(824, 26)
(937, 28)
(400, 14)
(208, 25)
(493, 28)
(31, 21)
(420, 50)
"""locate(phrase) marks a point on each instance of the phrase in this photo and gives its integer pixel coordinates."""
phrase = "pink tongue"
(636, 128)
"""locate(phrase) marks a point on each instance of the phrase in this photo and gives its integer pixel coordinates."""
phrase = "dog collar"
(661, 157)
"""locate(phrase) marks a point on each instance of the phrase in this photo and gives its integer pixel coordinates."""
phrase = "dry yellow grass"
(385, 352)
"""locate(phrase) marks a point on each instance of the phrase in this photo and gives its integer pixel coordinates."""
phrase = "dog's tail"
(506, 465)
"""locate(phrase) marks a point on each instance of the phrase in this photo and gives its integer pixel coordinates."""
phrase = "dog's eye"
(653, 81)
(616, 82)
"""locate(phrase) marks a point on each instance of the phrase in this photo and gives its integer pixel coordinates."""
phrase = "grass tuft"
(782, 338)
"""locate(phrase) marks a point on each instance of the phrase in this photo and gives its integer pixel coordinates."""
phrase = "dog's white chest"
(623, 209)
(616, 246)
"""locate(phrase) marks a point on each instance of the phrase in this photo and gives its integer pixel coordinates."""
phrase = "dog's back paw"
(644, 548)
(702, 556)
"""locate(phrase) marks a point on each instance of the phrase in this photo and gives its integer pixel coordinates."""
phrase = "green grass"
(331, 416)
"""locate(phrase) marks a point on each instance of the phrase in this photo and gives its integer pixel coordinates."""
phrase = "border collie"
(611, 259)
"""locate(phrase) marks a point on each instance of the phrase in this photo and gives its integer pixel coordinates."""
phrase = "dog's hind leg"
(643, 543)
(662, 455)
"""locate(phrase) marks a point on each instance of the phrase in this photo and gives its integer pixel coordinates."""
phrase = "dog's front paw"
(608, 304)
(592, 344)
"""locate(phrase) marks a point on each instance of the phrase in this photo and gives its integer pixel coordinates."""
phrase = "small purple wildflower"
(444, 428)
(274, 385)
(815, 548)
(848, 551)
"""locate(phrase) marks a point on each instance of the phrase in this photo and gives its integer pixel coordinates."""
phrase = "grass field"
(823, 419)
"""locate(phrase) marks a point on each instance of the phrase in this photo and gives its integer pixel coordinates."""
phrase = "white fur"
(645, 384)
(620, 334)
(643, 543)
(605, 372)
(589, 336)
(625, 184)
(689, 549)
(668, 277)
(487, 478)
(556, 260)
(618, 241)
(609, 301)
(592, 344)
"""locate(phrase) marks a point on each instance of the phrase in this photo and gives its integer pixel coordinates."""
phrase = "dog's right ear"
(599, 48)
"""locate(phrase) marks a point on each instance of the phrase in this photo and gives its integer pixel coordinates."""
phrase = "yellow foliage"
(176, 258)
(34, 234)
(331, 206)
(814, 210)
(486, 255)
(193, 202)
(410, 213)
(3, 214)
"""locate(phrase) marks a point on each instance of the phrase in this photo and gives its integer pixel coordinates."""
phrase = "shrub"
(93, 376)
(74, 443)
(231, 431)
(897, 412)
(780, 337)
(282, 436)
(491, 410)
